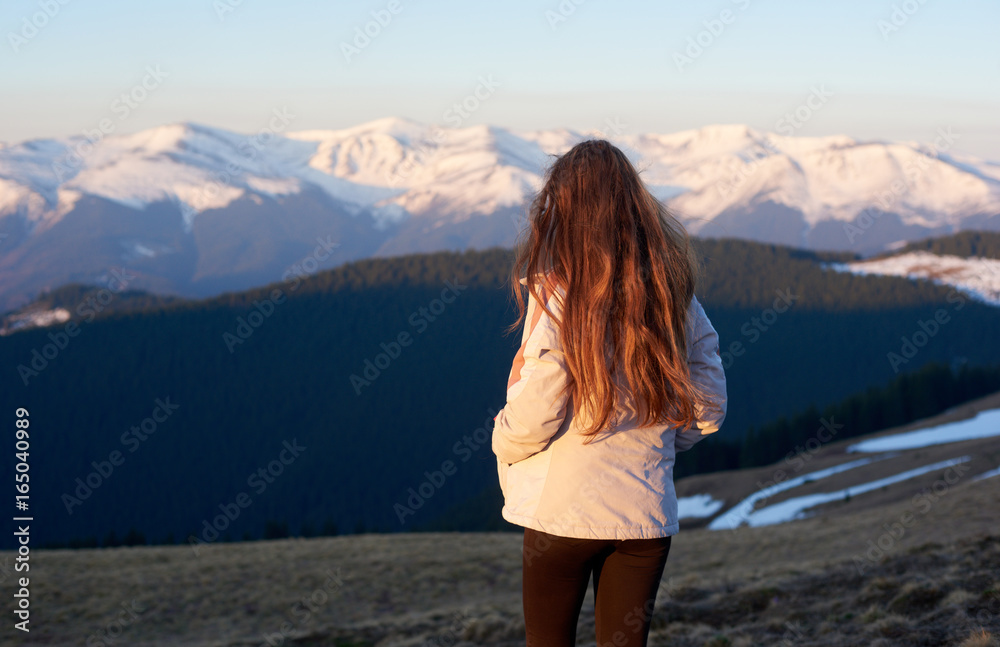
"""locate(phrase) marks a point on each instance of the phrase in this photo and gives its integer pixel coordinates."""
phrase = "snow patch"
(273, 186)
(34, 319)
(698, 506)
(796, 508)
(987, 475)
(142, 250)
(985, 424)
(738, 515)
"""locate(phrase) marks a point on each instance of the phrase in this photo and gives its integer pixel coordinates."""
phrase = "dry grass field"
(852, 574)
(797, 582)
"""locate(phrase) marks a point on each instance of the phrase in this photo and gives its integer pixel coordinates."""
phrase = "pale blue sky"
(607, 60)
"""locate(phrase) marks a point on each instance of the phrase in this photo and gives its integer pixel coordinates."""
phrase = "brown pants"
(557, 571)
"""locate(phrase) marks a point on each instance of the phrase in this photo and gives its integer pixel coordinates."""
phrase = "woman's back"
(615, 484)
(618, 369)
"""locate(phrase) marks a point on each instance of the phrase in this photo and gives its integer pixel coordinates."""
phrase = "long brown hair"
(628, 272)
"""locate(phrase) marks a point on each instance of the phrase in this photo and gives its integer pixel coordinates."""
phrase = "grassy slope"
(808, 582)
(734, 486)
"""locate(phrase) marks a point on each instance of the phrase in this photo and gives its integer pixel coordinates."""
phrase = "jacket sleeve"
(705, 364)
(536, 403)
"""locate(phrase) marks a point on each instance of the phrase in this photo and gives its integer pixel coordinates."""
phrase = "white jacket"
(620, 485)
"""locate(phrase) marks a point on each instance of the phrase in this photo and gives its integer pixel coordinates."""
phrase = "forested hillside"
(911, 396)
(361, 398)
(964, 244)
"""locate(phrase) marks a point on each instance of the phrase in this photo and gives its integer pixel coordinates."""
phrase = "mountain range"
(194, 211)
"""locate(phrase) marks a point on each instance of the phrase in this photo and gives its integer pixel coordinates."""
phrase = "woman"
(618, 369)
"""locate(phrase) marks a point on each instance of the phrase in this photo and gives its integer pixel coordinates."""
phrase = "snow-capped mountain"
(195, 210)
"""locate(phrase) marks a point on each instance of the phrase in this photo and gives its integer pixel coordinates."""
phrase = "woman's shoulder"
(547, 286)
(697, 324)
